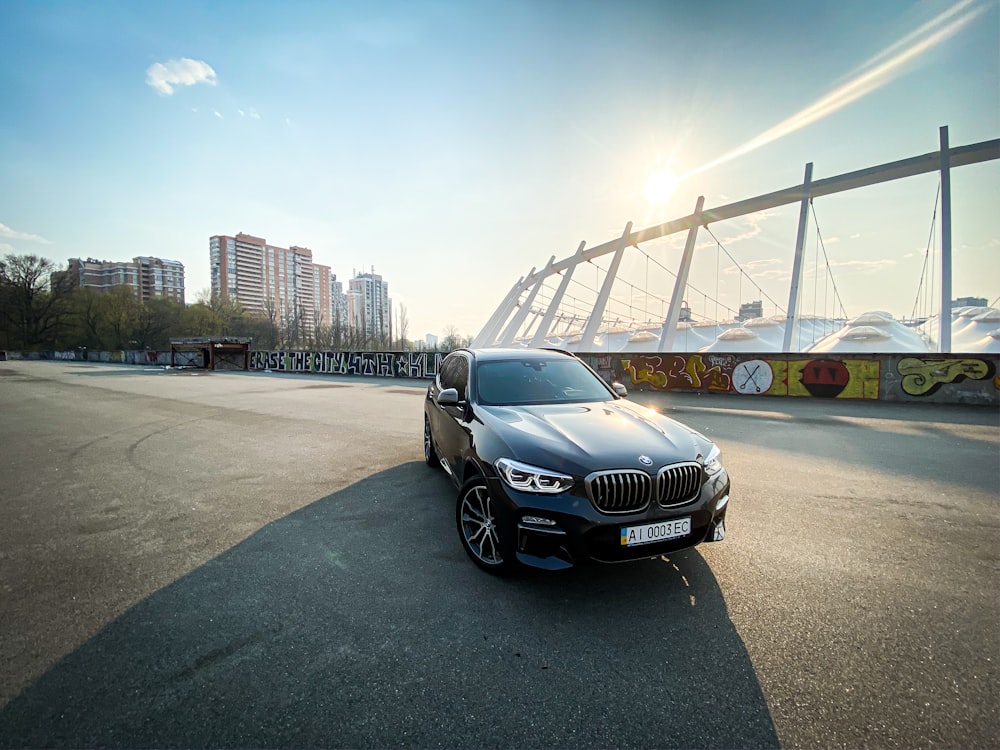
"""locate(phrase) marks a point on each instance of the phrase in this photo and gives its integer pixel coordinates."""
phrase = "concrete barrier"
(935, 378)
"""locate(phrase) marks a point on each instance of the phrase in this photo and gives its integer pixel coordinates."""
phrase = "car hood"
(581, 438)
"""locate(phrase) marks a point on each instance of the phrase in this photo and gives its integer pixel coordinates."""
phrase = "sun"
(661, 186)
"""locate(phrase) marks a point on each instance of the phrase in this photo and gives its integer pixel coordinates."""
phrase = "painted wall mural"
(923, 377)
(828, 378)
(752, 377)
(368, 364)
(749, 376)
(692, 371)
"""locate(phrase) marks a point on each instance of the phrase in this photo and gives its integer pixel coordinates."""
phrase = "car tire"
(487, 539)
(430, 455)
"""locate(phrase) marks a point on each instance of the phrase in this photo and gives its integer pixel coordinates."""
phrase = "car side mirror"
(620, 389)
(448, 397)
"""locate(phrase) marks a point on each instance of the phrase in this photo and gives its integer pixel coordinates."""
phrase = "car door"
(451, 430)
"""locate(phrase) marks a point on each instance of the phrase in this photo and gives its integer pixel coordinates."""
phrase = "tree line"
(44, 308)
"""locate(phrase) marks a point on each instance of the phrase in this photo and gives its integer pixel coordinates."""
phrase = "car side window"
(445, 374)
(461, 377)
(455, 374)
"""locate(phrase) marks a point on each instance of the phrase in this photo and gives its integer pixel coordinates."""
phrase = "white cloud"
(780, 274)
(13, 234)
(5, 248)
(249, 112)
(184, 72)
(864, 266)
(217, 113)
(753, 267)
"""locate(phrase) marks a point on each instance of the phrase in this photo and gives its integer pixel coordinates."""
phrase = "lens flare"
(876, 73)
(660, 186)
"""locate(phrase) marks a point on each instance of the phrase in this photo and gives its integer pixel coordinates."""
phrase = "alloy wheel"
(479, 526)
(430, 455)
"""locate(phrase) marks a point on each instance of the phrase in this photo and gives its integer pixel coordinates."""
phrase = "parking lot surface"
(193, 559)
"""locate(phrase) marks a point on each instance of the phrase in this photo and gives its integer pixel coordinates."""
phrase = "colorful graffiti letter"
(675, 371)
(922, 377)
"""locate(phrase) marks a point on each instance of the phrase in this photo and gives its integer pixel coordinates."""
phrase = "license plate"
(655, 532)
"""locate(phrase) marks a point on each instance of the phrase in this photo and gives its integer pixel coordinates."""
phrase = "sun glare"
(661, 186)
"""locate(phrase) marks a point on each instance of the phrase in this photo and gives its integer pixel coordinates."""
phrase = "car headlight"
(526, 478)
(713, 461)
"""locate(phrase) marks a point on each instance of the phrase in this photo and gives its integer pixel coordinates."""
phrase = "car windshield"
(534, 381)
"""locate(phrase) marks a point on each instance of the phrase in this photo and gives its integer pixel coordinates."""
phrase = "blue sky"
(453, 146)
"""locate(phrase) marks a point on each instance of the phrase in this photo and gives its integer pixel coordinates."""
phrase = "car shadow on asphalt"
(358, 621)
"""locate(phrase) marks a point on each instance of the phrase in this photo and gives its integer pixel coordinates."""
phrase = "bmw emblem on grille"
(645, 460)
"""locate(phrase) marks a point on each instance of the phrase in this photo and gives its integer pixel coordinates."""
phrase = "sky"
(453, 146)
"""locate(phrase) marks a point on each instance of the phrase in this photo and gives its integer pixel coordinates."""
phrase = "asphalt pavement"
(194, 559)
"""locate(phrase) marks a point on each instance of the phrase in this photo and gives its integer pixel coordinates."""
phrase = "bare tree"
(121, 313)
(451, 339)
(403, 327)
(33, 300)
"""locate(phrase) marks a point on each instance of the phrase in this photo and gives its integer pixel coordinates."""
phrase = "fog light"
(538, 521)
(722, 503)
(720, 530)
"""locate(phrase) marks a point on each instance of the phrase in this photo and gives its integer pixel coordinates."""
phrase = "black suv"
(555, 467)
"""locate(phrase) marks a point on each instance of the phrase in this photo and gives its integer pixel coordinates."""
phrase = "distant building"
(969, 302)
(146, 276)
(321, 296)
(749, 310)
(338, 303)
(369, 306)
(276, 282)
(431, 340)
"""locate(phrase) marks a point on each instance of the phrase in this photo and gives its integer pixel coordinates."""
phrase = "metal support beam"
(944, 329)
(535, 315)
(488, 335)
(955, 157)
(594, 322)
(669, 330)
(960, 156)
(521, 315)
(550, 314)
(792, 322)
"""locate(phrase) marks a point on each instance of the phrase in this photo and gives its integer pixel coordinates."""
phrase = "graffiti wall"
(128, 357)
(939, 378)
(366, 364)
(936, 378)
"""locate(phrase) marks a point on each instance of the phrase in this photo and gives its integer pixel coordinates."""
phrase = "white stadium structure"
(537, 311)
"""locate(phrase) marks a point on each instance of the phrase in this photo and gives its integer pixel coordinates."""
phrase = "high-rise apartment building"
(369, 306)
(321, 295)
(276, 282)
(147, 276)
(338, 303)
(288, 287)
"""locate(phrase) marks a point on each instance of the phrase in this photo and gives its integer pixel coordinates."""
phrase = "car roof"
(495, 355)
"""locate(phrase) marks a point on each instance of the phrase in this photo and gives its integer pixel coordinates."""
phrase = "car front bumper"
(556, 532)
